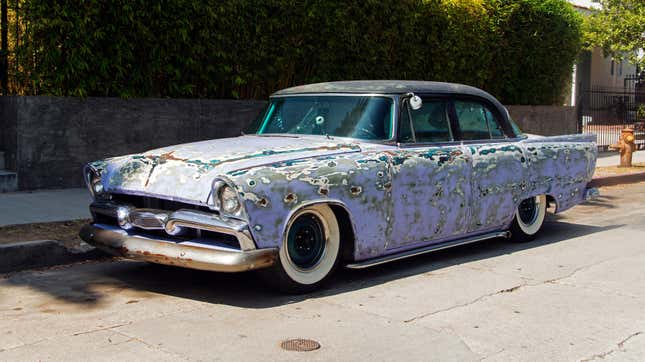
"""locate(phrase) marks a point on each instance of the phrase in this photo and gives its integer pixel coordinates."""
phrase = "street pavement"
(576, 293)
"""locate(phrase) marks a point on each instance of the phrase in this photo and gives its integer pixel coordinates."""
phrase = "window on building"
(612, 67)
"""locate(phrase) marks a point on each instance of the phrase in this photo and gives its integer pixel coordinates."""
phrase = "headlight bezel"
(219, 187)
(94, 183)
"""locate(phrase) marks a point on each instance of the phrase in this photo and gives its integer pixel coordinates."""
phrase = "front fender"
(358, 182)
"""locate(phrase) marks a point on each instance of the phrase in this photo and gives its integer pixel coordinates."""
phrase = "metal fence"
(606, 111)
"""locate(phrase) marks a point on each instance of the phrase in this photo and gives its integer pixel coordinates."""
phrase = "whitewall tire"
(310, 250)
(529, 218)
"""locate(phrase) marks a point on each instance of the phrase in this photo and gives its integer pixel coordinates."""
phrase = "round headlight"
(97, 186)
(93, 181)
(228, 200)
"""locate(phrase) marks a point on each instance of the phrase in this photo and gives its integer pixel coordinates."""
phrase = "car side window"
(430, 123)
(477, 121)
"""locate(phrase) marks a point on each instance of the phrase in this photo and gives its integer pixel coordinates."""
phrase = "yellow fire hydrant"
(626, 146)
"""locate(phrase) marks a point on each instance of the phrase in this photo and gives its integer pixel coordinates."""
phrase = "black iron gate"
(606, 111)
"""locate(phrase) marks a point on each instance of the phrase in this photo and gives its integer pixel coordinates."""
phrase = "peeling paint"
(398, 197)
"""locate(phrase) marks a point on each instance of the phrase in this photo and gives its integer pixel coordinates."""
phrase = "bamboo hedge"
(522, 51)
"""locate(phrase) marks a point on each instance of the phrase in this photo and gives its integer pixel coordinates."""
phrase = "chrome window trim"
(394, 141)
(459, 143)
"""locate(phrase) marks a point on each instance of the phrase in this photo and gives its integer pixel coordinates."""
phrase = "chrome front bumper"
(131, 238)
(170, 221)
(119, 243)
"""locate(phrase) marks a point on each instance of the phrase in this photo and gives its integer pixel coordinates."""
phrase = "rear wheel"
(529, 218)
(309, 253)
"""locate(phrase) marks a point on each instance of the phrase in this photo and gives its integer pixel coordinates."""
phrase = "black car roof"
(391, 87)
(384, 86)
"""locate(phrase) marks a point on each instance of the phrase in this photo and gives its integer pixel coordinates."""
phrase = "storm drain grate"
(300, 345)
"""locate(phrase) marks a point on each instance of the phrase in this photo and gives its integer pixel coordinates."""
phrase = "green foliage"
(539, 41)
(640, 112)
(618, 29)
(521, 51)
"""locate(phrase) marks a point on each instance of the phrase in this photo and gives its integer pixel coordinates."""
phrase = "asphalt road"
(576, 293)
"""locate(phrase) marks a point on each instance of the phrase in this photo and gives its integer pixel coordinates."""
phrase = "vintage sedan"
(344, 173)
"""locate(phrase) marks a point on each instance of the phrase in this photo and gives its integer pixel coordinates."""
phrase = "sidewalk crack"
(620, 346)
(508, 290)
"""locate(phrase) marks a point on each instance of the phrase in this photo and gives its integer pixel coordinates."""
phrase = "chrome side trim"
(426, 249)
(150, 219)
(170, 253)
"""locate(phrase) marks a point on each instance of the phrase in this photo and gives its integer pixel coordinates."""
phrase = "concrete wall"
(55, 137)
(49, 139)
(545, 120)
(8, 138)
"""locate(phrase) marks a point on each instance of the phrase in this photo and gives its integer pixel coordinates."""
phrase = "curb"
(617, 180)
(37, 254)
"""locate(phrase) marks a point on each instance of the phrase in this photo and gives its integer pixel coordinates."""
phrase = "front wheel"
(309, 252)
(529, 218)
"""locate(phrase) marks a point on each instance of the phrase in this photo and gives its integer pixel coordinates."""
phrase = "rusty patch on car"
(290, 198)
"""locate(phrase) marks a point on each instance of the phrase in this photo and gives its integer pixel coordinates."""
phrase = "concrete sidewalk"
(44, 206)
(606, 159)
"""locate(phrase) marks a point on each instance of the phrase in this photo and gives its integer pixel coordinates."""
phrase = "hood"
(186, 172)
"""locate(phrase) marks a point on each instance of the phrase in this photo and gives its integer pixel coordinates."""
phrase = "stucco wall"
(545, 120)
(49, 139)
(601, 70)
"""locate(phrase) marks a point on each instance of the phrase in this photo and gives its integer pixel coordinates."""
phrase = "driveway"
(576, 293)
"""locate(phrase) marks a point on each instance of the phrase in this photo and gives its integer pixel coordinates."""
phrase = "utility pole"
(4, 48)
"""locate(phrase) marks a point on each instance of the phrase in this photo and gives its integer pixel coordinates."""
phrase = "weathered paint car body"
(398, 196)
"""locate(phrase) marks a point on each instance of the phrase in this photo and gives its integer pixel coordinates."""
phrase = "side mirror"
(415, 102)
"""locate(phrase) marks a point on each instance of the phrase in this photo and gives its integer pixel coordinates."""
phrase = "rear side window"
(430, 123)
(477, 122)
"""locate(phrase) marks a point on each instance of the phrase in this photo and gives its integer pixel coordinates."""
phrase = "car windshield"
(362, 117)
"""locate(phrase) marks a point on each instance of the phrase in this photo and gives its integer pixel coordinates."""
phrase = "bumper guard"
(120, 241)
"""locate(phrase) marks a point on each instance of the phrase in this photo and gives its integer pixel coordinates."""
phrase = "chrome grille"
(145, 202)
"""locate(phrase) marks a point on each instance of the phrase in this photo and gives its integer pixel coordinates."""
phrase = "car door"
(431, 187)
(499, 167)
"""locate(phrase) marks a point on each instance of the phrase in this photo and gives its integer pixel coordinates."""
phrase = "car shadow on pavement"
(94, 281)
(606, 201)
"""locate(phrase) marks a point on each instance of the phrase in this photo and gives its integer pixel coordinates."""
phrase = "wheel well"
(347, 237)
(550, 200)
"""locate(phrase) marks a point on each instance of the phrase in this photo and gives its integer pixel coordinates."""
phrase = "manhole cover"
(300, 345)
